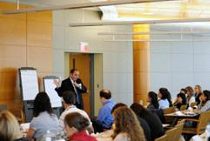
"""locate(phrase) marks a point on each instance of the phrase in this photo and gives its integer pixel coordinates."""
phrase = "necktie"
(76, 92)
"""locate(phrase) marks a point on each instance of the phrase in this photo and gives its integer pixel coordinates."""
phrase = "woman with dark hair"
(76, 127)
(205, 102)
(183, 90)
(43, 119)
(126, 126)
(153, 101)
(152, 120)
(180, 100)
(198, 92)
(165, 98)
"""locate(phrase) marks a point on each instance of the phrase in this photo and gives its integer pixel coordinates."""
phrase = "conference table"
(182, 114)
(202, 137)
(104, 136)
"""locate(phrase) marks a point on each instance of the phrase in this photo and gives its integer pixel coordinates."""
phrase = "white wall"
(177, 64)
(117, 56)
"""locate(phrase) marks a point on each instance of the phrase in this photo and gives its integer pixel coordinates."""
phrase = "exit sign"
(84, 47)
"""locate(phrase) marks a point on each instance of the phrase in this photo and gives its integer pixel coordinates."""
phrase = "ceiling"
(180, 9)
(155, 10)
(46, 3)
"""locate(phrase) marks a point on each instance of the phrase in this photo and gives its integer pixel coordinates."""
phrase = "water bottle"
(49, 136)
(208, 132)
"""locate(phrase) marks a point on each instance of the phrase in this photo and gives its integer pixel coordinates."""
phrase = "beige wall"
(116, 71)
(25, 41)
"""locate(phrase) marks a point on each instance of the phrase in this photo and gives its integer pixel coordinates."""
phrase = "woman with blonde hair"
(198, 93)
(126, 126)
(9, 127)
(190, 95)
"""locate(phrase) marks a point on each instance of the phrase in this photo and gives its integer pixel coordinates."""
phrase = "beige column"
(141, 57)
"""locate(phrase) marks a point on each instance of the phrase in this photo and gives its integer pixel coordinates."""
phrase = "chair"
(201, 124)
(169, 110)
(3, 107)
(162, 138)
(171, 134)
(179, 128)
(183, 107)
(193, 104)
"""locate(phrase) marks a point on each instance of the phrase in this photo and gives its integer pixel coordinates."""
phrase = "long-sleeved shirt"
(71, 109)
(163, 104)
(205, 107)
(122, 137)
(43, 122)
(82, 136)
(105, 117)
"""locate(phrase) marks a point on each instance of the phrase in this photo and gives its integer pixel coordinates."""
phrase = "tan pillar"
(141, 57)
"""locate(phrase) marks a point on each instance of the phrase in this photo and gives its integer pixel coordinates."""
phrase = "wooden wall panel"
(39, 34)
(40, 16)
(25, 40)
(12, 56)
(13, 30)
(10, 6)
(39, 28)
(8, 85)
(40, 58)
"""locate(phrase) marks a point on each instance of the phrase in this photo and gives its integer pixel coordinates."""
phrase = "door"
(82, 62)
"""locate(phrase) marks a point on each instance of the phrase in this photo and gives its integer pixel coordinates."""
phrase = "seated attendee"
(152, 120)
(69, 100)
(190, 95)
(165, 98)
(184, 91)
(9, 128)
(104, 119)
(142, 122)
(198, 92)
(43, 119)
(180, 100)
(126, 126)
(153, 101)
(76, 127)
(204, 102)
(154, 105)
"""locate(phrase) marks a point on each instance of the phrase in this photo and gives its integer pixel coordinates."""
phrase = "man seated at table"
(104, 119)
(69, 100)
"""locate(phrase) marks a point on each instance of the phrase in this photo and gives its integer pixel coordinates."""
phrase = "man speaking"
(74, 84)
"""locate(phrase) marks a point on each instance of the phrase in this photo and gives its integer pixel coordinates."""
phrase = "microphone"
(78, 81)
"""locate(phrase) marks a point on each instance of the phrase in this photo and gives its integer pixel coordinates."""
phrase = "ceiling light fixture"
(103, 23)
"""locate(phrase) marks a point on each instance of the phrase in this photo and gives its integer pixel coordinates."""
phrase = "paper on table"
(196, 138)
(24, 127)
(179, 113)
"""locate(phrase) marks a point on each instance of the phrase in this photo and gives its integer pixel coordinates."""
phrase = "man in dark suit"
(74, 84)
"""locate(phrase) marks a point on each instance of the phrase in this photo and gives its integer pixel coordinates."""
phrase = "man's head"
(105, 95)
(74, 74)
(68, 98)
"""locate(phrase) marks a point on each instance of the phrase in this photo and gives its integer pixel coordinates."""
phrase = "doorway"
(83, 63)
(90, 67)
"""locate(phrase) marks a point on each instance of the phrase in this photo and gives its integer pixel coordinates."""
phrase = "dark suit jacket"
(67, 85)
